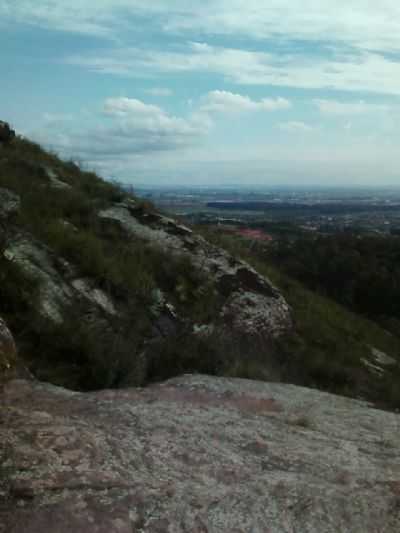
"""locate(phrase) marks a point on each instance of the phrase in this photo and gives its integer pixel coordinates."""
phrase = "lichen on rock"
(197, 453)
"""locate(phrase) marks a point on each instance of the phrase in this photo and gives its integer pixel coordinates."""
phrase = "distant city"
(267, 212)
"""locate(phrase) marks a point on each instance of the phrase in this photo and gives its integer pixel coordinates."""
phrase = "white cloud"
(352, 45)
(356, 43)
(295, 127)
(123, 107)
(136, 116)
(227, 102)
(309, 44)
(358, 23)
(334, 107)
(349, 72)
(130, 127)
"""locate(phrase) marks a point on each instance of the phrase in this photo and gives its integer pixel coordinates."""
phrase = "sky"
(213, 93)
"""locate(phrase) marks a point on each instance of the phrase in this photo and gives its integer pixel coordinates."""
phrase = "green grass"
(324, 351)
(329, 342)
(125, 268)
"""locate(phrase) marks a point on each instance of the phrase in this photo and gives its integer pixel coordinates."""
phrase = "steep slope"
(196, 454)
(330, 347)
(101, 290)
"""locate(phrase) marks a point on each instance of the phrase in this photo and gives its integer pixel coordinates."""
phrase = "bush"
(182, 353)
(84, 356)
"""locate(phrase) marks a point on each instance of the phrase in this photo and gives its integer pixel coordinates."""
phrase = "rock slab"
(196, 454)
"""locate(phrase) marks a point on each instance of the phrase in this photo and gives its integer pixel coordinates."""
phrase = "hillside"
(101, 290)
(330, 347)
(121, 407)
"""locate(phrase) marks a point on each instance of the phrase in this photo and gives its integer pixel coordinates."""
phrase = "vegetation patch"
(327, 348)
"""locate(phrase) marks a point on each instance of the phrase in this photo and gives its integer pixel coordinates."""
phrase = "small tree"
(6, 133)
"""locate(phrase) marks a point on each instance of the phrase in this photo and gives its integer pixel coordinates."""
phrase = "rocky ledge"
(196, 454)
(252, 307)
(247, 310)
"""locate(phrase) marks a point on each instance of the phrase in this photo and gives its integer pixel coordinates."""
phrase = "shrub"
(182, 353)
(86, 356)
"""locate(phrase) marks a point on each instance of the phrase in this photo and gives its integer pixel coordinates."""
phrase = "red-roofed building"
(255, 235)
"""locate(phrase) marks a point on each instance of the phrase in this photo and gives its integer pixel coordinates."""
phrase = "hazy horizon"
(217, 93)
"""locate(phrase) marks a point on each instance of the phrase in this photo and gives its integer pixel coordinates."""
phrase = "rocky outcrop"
(252, 305)
(60, 286)
(247, 310)
(70, 254)
(378, 363)
(37, 262)
(196, 454)
(54, 180)
(9, 203)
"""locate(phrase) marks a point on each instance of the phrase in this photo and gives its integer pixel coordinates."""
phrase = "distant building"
(255, 235)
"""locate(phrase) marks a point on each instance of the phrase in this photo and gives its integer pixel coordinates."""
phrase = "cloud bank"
(227, 102)
(162, 83)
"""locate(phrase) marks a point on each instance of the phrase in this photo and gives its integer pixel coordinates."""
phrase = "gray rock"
(253, 306)
(54, 180)
(196, 454)
(94, 295)
(9, 203)
(378, 363)
(56, 183)
(59, 284)
(165, 318)
(36, 261)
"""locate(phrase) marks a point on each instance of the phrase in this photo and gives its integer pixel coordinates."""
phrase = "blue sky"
(291, 92)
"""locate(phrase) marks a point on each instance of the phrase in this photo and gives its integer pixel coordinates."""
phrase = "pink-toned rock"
(196, 454)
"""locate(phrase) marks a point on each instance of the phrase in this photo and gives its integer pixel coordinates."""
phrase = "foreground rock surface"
(196, 454)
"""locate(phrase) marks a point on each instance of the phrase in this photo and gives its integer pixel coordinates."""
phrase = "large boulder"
(6, 133)
(196, 454)
(60, 285)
